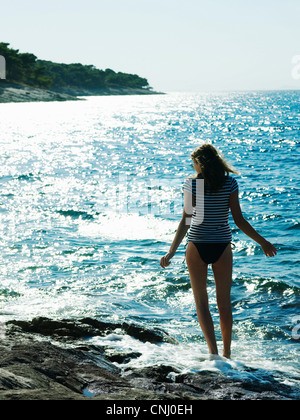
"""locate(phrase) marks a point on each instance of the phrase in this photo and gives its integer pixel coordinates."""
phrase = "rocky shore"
(17, 93)
(46, 359)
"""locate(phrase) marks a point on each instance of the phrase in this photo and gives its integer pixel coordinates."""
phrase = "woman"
(209, 240)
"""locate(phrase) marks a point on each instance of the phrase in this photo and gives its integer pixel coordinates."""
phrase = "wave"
(273, 286)
(296, 226)
(261, 284)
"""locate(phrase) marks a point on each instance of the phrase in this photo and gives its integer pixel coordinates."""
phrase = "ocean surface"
(91, 196)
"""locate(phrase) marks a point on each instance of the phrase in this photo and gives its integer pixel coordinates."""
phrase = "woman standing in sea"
(209, 239)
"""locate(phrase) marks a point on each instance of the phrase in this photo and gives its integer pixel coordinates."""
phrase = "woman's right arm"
(244, 225)
(180, 234)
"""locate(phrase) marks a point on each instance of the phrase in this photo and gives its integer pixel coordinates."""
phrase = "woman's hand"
(268, 248)
(165, 260)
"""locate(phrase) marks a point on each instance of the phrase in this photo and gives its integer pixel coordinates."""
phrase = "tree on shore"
(26, 68)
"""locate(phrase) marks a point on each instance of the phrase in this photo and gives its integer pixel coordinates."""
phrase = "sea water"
(91, 196)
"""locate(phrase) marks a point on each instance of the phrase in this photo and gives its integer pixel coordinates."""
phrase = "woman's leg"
(222, 270)
(198, 275)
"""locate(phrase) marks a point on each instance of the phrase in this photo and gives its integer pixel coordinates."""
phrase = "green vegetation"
(25, 68)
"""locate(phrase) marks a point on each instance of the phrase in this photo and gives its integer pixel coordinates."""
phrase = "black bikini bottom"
(210, 252)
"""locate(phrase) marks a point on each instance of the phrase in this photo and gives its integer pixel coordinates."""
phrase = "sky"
(178, 45)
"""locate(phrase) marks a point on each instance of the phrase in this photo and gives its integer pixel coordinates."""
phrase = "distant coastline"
(12, 92)
(28, 79)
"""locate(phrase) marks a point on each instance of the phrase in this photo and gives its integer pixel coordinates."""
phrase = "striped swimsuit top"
(214, 226)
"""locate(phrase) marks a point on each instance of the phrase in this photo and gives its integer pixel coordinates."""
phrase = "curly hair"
(214, 168)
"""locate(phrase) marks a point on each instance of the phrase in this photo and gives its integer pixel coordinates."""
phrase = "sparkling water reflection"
(91, 197)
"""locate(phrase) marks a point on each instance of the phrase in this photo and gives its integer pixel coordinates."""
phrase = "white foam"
(122, 226)
(187, 358)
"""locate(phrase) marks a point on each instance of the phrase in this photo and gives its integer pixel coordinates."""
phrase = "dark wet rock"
(88, 327)
(49, 327)
(32, 368)
(214, 385)
(154, 335)
(161, 373)
(118, 357)
(145, 334)
(206, 385)
(47, 359)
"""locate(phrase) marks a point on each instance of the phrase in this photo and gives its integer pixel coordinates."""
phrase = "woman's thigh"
(222, 270)
(197, 270)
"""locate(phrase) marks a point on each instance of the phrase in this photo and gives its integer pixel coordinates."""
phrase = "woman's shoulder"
(188, 182)
(230, 178)
(231, 182)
